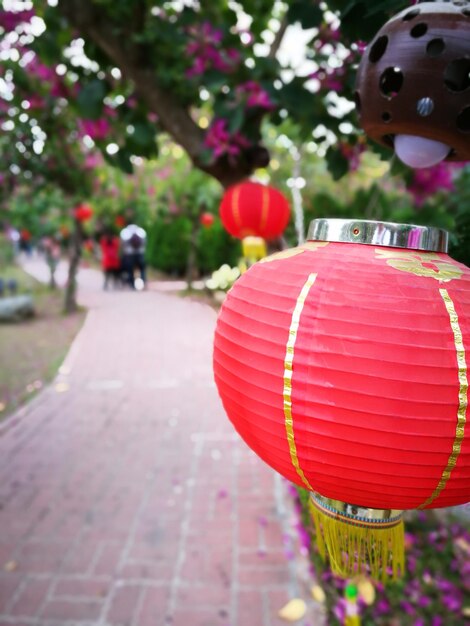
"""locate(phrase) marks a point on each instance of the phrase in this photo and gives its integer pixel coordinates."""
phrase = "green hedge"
(168, 246)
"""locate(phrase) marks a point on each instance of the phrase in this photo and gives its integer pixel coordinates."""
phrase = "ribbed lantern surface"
(252, 209)
(344, 367)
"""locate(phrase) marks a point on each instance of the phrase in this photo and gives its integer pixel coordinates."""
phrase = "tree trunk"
(71, 305)
(52, 281)
(191, 267)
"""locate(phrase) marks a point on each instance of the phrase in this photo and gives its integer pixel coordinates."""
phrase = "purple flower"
(206, 51)
(424, 602)
(254, 96)
(10, 20)
(382, 607)
(407, 607)
(222, 143)
(452, 603)
(425, 183)
(96, 129)
(339, 610)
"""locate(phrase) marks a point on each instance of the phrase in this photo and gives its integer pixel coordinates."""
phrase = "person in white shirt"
(133, 242)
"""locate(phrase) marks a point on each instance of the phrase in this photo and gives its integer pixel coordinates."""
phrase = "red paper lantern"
(120, 221)
(206, 220)
(83, 212)
(254, 209)
(344, 367)
(88, 245)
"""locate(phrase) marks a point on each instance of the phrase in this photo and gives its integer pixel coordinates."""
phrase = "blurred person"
(51, 249)
(25, 241)
(110, 259)
(133, 240)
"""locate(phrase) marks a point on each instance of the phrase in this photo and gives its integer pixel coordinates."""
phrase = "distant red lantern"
(344, 367)
(252, 209)
(120, 221)
(83, 212)
(206, 220)
(88, 245)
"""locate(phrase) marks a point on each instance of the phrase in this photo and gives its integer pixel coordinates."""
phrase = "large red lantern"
(252, 209)
(344, 367)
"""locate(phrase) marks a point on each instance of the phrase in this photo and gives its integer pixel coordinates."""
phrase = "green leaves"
(306, 12)
(337, 163)
(90, 99)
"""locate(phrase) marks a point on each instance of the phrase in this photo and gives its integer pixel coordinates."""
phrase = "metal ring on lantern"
(389, 234)
(355, 514)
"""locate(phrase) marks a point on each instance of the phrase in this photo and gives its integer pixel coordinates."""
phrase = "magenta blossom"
(10, 20)
(96, 129)
(222, 142)
(254, 95)
(206, 50)
(35, 102)
(429, 181)
(352, 154)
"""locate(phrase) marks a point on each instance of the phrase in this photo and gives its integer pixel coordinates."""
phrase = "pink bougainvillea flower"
(9, 20)
(254, 96)
(352, 154)
(35, 102)
(222, 142)
(92, 160)
(96, 129)
(206, 51)
(429, 181)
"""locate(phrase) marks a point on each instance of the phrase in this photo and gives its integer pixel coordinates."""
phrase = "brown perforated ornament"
(414, 78)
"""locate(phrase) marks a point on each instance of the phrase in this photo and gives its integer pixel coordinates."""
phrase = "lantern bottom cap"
(359, 540)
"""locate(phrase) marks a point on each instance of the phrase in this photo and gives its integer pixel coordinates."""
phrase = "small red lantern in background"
(252, 209)
(83, 212)
(120, 221)
(344, 367)
(206, 219)
(88, 245)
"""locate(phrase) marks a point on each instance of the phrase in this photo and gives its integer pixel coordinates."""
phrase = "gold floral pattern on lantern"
(285, 254)
(427, 264)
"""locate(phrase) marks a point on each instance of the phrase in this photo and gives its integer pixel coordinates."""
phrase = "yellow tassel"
(354, 548)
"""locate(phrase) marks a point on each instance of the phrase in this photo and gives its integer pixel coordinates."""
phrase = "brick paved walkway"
(125, 496)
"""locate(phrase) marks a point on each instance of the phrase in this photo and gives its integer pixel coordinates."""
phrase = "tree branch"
(93, 24)
(276, 44)
(172, 116)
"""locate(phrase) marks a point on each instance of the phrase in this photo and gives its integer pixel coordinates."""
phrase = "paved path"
(125, 496)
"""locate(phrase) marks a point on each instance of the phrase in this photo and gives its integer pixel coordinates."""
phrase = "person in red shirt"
(110, 259)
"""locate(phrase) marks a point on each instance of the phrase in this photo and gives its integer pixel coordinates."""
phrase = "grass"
(32, 351)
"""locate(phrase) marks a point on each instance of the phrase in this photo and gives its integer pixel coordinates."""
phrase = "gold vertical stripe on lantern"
(264, 208)
(236, 206)
(288, 368)
(463, 400)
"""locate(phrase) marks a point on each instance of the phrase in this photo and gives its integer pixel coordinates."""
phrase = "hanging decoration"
(253, 250)
(343, 364)
(413, 84)
(252, 209)
(83, 213)
(206, 219)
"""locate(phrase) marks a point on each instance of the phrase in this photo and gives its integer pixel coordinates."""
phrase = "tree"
(41, 145)
(206, 73)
